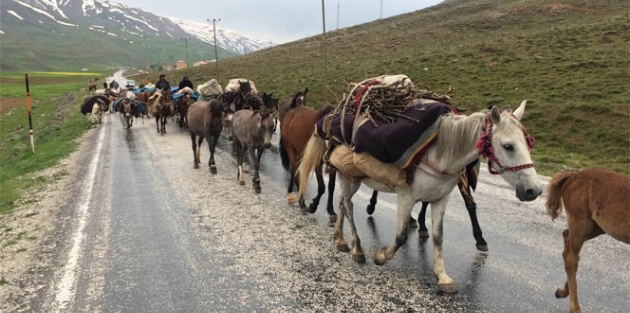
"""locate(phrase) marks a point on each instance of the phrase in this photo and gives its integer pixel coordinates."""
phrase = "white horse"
(499, 136)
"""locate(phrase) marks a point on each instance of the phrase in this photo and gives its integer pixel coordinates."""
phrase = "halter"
(484, 146)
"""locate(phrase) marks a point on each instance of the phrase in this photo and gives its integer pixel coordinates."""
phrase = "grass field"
(57, 122)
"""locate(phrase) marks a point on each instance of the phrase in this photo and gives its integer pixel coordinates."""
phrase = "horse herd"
(595, 201)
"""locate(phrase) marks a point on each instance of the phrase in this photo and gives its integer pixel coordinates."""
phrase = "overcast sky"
(279, 21)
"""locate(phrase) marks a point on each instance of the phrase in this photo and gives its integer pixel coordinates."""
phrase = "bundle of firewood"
(386, 97)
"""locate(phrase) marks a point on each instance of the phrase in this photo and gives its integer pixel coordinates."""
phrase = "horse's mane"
(215, 106)
(455, 129)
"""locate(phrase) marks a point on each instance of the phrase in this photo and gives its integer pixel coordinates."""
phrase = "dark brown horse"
(205, 120)
(144, 98)
(91, 86)
(296, 128)
(297, 100)
(596, 202)
(236, 98)
(182, 106)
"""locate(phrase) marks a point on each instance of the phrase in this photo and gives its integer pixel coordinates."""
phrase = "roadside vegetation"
(57, 122)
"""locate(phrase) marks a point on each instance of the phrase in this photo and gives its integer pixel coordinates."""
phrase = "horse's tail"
(284, 155)
(554, 194)
(313, 154)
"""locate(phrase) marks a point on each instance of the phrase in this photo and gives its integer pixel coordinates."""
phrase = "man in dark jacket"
(186, 83)
(163, 84)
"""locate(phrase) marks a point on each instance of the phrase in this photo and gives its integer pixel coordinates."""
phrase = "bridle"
(484, 146)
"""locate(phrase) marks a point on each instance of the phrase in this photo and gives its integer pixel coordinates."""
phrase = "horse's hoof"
(242, 183)
(196, 166)
(257, 189)
(331, 224)
(343, 247)
(561, 293)
(423, 234)
(413, 223)
(448, 288)
(304, 209)
(359, 258)
(291, 198)
(332, 218)
(379, 258)
(483, 248)
(312, 208)
(213, 169)
(370, 209)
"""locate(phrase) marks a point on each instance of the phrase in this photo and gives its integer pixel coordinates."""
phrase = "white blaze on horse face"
(266, 126)
(511, 149)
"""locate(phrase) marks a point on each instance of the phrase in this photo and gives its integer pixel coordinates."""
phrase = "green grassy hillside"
(57, 47)
(569, 58)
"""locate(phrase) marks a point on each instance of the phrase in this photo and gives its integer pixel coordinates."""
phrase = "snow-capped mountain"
(92, 23)
(226, 39)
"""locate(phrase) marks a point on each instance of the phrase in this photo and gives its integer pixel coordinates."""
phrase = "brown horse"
(182, 106)
(91, 86)
(596, 201)
(297, 100)
(296, 128)
(161, 108)
(144, 98)
(205, 120)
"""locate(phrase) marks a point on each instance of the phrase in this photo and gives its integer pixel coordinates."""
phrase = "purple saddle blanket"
(403, 142)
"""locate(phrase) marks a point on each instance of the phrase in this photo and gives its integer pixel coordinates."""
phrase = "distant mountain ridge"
(131, 34)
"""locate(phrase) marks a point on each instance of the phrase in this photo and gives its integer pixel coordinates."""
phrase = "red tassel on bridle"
(484, 146)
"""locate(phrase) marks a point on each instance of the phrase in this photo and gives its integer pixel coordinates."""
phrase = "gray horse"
(205, 120)
(252, 131)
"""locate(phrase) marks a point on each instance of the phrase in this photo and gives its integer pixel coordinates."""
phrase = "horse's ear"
(520, 110)
(306, 90)
(496, 115)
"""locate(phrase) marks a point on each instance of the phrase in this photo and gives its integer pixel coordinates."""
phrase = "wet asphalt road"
(151, 246)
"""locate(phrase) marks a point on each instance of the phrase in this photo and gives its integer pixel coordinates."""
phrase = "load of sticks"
(386, 97)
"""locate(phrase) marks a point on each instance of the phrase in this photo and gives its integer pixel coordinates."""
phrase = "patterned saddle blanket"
(403, 142)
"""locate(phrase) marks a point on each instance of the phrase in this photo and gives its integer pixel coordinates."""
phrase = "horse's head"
(167, 97)
(187, 100)
(506, 145)
(227, 108)
(266, 127)
(244, 87)
(270, 105)
(127, 107)
(299, 99)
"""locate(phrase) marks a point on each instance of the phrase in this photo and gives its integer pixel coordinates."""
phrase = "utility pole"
(381, 15)
(337, 15)
(216, 54)
(324, 44)
(186, 40)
